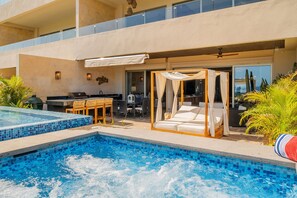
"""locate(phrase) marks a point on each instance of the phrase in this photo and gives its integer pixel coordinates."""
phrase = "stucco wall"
(8, 72)
(9, 34)
(93, 11)
(218, 28)
(62, 24)
(39, 74)
(121, 10)
(283, 62)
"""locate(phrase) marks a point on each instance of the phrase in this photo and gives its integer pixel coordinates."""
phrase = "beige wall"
(283, 61)
(93, 11)
(8, 72)
(62, 24)
(121, 10)
(9, 34)
(39, 74)
(217, 28)
(17, 7)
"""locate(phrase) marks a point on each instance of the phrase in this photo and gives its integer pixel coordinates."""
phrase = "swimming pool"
(102, 166)
(17, 122)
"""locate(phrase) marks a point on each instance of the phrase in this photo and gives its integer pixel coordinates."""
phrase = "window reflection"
(209, 5)
(249, 78)
(187, 8)
(243, 2)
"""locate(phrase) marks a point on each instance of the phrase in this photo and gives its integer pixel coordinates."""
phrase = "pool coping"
(241, 150)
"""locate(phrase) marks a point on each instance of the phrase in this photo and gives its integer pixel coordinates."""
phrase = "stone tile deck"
(236, 145)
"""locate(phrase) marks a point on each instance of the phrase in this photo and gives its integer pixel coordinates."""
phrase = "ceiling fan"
(221, 55)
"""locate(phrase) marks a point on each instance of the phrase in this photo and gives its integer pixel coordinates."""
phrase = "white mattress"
(191, 127)
(200, 118)
(170, 125)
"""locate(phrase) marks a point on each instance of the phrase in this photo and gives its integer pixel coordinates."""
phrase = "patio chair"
(122, 108)
(144, 108)
(78, 107)
(131, 99)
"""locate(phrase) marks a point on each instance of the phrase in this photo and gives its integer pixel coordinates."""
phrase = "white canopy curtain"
(175, 86)
(224, 87)
(184, 77)
(160, 83)
(211, 94)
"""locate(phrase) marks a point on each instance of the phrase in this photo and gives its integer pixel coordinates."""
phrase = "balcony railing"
(40, 40)
(4, 2)
(159, 14)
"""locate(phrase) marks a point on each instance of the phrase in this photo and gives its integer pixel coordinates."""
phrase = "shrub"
(13, 92)
(275, 109)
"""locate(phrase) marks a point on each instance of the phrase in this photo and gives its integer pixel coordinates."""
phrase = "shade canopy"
(117, 60)
(184, 77)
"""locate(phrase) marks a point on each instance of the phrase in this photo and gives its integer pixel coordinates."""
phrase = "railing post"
(201, 4)
(169, 12)
(144, 18)
(233, 3)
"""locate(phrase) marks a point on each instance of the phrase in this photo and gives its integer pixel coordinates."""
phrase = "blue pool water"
(102, 166)
(13, 118)
(17, 122)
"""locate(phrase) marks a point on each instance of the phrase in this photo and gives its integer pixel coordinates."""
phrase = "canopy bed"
(191, 120)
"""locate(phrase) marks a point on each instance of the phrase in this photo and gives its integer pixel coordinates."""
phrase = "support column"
(169, 91)
(144, 84)
(77, 17)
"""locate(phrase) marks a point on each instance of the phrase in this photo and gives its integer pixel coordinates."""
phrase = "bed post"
(228, 99)
(182, 92)
(206, 132)
(152, 100)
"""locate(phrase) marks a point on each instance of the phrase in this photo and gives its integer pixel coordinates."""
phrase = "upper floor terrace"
(57, 20)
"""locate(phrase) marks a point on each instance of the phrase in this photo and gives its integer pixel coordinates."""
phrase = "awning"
(117, 60)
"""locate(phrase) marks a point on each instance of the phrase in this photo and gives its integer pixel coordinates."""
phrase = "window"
(186, 8)
(249, 78)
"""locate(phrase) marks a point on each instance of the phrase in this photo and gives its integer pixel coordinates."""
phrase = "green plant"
(264, 85)
(275, 109)
(13, 92)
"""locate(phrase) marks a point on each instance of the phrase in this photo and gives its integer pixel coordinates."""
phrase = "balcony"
(40, 40)
(145, 17)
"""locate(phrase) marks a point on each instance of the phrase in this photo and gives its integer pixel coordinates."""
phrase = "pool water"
(14, 118)
(19, 122)
(102, 166)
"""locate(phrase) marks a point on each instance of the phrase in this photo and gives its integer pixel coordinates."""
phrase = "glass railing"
(40, 40)
(4, 2)
(177, 10)
(159, 14)
(134, 20)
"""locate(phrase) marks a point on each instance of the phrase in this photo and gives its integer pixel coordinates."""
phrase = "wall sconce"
(57, 75)
(89, 76)
(141, 78)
